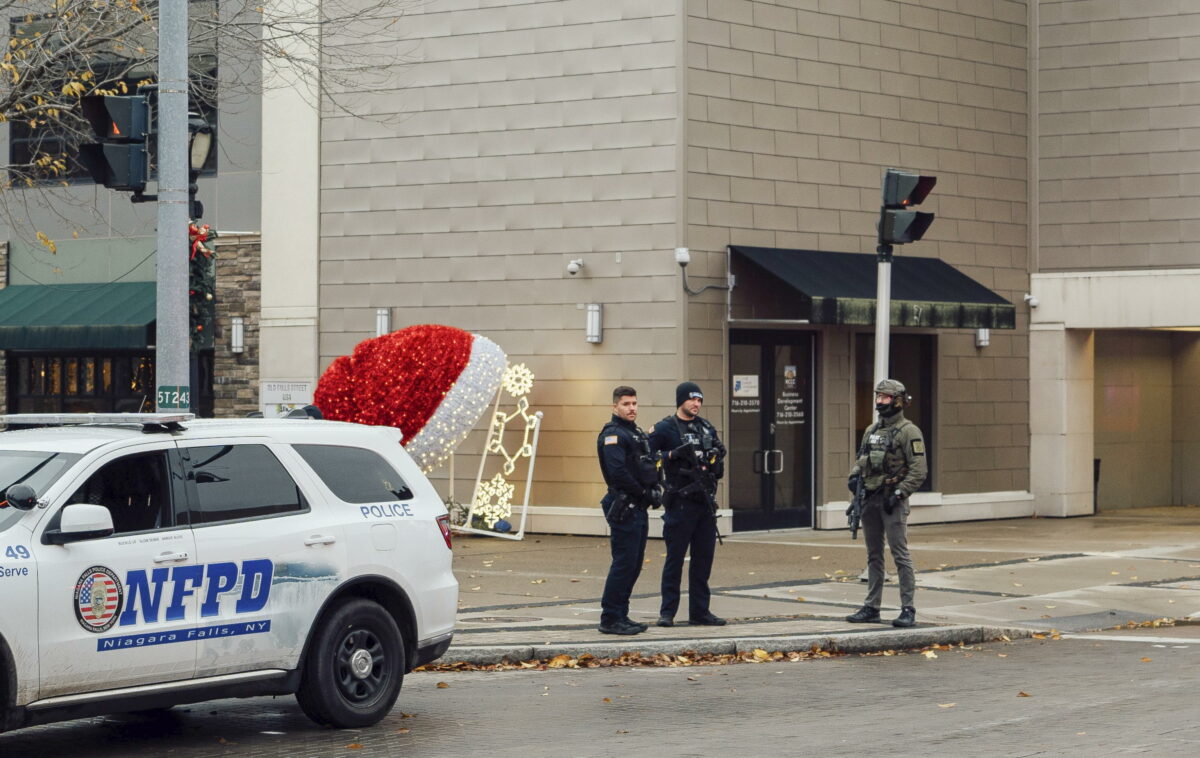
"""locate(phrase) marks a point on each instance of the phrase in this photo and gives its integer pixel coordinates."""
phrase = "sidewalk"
(789, 590)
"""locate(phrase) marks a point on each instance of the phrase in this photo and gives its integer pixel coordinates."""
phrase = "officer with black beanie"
(694, 460)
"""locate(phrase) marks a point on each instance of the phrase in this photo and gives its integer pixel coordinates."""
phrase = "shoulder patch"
(918, 447)
(611, 439)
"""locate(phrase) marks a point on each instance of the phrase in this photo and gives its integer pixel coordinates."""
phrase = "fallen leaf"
(1115, 573)
(816, 557)
(354, 746)
(475, 589)
(574, 580)
(761, 655)
(1038, 636)
(929, 654)
(538, 581)
(1147, 660)
(947, 705)
(402, 730)
(607, 700)
(1033, 560)
(442, 686)
(1001, 655)
(799, 600)
(1023, 694)
(1052, 606)
(559, 661)
(1018, 584)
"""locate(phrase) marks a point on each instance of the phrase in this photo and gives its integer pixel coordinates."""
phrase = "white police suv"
(148, 560)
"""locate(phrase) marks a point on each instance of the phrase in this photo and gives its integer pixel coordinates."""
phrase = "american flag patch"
(611, 439)
(98, 596)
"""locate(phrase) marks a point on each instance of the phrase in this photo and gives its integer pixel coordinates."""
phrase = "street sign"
(172, 397)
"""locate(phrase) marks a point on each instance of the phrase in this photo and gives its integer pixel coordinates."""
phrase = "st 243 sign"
(174, 398)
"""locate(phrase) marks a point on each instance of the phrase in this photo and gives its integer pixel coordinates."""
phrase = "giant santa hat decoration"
(432, 382)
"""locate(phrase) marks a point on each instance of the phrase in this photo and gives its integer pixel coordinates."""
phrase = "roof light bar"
(63, 419)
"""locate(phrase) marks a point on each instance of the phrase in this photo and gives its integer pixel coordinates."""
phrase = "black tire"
(354, 668)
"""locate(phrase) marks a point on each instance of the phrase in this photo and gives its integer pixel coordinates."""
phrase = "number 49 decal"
(16, 551)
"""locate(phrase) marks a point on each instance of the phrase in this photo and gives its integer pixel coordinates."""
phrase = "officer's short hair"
(623, 391)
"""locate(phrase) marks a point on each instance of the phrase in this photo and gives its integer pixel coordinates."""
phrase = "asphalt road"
(1108, 693)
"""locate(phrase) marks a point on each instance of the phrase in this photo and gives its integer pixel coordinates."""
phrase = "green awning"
(116, 315)
(839, 288)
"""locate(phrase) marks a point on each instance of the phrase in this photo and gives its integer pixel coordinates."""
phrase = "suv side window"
(235, 482)
(355, 474)
(136, 490)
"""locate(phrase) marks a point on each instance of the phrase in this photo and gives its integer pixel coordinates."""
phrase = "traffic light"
(121, 123)
(902, 189)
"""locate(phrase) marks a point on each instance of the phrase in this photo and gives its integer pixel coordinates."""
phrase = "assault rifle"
(697, 467)
(854, 512)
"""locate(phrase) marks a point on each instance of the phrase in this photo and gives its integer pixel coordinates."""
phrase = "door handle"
(320, 539)
(777, 470)
(170, 557)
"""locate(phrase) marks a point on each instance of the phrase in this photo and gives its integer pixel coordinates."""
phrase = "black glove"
(678, 452)
(854, 482)
(893, 498)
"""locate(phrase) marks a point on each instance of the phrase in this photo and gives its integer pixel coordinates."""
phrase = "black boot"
(864, 615)
(907, 617)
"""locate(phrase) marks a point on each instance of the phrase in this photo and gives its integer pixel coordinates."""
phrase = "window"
(355, 474)
(239, 482)
(136, 490)
(37, 469)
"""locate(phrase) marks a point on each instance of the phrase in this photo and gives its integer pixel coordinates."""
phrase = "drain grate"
(501, 619)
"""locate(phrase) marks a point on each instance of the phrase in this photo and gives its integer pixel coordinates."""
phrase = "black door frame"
(766, 517)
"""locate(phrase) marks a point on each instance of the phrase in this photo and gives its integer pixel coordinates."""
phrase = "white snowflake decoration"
(518, 380)
(493, 500)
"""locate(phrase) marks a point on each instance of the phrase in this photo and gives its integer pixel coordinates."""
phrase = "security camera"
(575, 266)
(682, 256)
(1032, 300)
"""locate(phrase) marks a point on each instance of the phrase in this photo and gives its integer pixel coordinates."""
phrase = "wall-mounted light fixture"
(594, 331)
(237, 334)
(383, 321)
(983, 337)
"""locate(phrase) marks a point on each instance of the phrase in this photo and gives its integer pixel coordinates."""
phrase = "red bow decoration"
(198, 236)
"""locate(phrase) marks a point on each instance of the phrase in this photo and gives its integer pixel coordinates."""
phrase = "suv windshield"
(37, 469)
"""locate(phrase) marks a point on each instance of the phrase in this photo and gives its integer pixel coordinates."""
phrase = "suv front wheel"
(355, 667)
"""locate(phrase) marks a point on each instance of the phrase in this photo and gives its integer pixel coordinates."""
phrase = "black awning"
(115, 315)
(839, 288)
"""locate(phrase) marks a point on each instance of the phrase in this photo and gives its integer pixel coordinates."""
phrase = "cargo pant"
(877, 525)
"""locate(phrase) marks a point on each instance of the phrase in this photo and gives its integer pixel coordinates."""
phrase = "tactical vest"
(885, 461)
(646, 466)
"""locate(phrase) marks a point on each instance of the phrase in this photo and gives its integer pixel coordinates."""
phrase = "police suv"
(148, 560)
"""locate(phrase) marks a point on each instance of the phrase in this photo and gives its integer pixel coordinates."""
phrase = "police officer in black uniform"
(694, 460)
(631, 472)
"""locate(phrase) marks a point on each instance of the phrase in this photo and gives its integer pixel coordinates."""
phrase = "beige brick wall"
(794, 109)
(527, 135)
(1119, 139)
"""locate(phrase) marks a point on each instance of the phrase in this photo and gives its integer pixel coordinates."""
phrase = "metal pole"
(883, 312)
(172, 344)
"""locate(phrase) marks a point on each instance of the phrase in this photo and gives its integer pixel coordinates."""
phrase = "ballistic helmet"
(896, 389)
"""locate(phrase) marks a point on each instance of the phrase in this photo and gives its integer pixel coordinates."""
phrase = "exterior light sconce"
(983, 337)
(594, 331)
(383, 321)
(237, 334)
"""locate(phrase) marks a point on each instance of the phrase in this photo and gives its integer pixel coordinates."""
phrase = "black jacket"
(620, 449)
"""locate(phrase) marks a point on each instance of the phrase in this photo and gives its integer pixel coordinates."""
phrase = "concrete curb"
(848, 642)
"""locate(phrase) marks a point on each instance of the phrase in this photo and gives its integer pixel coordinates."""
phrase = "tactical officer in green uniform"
(891, 465)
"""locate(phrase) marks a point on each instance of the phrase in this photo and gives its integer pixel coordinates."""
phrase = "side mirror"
(22, 497)
(81, 521)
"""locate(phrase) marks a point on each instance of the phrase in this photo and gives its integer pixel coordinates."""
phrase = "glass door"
(770, 464)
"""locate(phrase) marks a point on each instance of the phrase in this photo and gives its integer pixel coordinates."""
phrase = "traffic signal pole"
(883, 312)
(172, 375)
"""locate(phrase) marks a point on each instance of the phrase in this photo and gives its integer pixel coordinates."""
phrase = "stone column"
(1061, 422)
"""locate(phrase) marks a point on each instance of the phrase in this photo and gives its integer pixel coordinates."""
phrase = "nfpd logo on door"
(98, 597)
